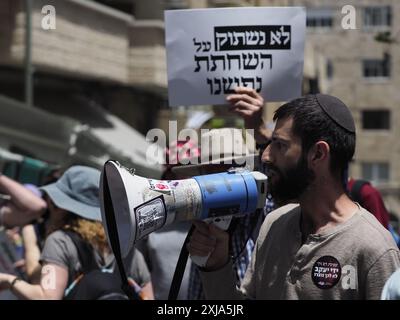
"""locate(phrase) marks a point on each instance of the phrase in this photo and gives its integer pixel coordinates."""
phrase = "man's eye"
(277, 144)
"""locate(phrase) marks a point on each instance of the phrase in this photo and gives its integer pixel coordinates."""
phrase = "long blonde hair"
(90, 231)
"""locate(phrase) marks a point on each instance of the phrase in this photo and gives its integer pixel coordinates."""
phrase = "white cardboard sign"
(211, 51)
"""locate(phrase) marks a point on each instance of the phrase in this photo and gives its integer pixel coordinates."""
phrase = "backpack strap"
(114, 242)
(85, 251)
(355, 192)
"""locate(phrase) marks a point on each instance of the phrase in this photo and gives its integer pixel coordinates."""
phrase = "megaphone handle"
(222, 223)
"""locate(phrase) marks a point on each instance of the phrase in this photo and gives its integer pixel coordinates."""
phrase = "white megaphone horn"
(141, 206)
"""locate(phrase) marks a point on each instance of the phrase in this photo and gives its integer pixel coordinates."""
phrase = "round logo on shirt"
(326, 272)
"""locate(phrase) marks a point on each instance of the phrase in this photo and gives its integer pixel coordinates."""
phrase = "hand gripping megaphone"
(141, 206)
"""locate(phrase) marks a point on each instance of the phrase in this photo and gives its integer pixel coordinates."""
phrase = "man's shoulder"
(288, 208)
(282, 216)
(369, 238)
(374, 233)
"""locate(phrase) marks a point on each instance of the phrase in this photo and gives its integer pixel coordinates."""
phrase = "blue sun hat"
(77, 191)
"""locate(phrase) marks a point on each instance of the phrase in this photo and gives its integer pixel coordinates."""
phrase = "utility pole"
(28, 54)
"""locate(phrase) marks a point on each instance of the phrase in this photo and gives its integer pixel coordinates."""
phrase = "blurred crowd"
(54, 246)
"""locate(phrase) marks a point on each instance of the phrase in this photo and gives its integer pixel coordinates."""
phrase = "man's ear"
(318, 153)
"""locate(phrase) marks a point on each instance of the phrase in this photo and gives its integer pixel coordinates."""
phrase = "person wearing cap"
(73, 203)
(325, 246)
(222, 150)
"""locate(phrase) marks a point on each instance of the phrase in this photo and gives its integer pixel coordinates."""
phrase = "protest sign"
(211, 51)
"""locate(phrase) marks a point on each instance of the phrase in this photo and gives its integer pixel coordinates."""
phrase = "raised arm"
(24, 205)
(32, 254)
(248, 104)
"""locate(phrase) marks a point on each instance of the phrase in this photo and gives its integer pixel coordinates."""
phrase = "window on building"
(228, 3)
(176, 4)
(125, 6)
(376, 172)
(376, 119)
(319, 18)
(376, 68)
(377, 16)
(313, 86)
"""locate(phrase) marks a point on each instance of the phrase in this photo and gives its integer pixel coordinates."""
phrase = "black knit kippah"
(337, 111)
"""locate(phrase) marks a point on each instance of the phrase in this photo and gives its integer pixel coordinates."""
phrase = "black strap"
(183, 257)
(355, 192)
(256, 220)
(180, 269)
(114, 241)
(85, 251)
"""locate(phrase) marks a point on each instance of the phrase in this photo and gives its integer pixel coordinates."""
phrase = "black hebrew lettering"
(215, 58)
(233, 57)
(247, 81)
(210, 83)
(266, 57)
(277, 37)
(218, 83)
(197, 44)
(237, 81)
(259, 81)
(226, 85)
(201, 58)
(206, 45)
(247, 61)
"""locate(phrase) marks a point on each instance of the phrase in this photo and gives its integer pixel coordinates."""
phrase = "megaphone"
(141, 205)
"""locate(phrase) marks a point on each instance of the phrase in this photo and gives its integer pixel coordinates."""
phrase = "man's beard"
(290, 183)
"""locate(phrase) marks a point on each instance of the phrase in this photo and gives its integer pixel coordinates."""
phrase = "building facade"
(116, 57)
(94, 60)
(360, 66)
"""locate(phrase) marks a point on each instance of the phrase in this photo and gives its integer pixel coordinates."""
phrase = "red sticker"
(326, 272)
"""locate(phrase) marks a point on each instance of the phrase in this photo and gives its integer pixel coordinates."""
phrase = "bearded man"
(324, 246)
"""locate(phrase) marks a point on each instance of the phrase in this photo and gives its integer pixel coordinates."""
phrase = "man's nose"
(266, 155)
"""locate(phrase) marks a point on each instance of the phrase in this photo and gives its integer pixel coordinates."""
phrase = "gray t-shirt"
(161, 250)
(60, 250)
(350, 261)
